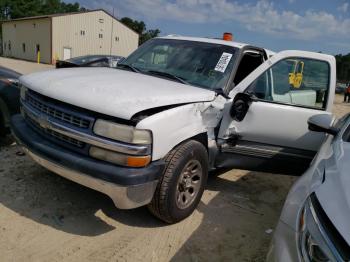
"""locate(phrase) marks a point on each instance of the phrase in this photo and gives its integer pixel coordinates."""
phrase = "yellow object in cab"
(296, 77)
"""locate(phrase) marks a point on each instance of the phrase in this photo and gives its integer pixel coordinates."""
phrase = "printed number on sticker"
(223, 62)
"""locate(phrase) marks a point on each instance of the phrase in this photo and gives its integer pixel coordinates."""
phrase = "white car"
(314, 224)
(149, 132)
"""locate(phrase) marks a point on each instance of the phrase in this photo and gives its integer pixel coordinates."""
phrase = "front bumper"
(127, 187)
(284, 245)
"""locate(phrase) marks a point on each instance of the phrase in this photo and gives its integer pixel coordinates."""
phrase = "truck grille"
(56, 113)
(64, 138)
(60, 112)
(70, 126)
(54, 134)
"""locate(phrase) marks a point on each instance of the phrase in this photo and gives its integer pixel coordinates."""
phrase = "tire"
(182, 184)
(3, 129)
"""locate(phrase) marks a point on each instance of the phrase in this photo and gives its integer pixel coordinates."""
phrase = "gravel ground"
(44, 217)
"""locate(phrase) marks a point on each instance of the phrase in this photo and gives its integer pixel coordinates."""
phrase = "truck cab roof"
(214, 41)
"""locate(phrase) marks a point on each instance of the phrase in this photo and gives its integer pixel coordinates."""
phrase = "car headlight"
(12, 81)
(314, 243)
(123, 133)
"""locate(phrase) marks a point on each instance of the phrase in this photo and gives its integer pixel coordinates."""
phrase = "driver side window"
(295, 81)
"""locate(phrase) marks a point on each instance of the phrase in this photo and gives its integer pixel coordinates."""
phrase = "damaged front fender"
(175, 125)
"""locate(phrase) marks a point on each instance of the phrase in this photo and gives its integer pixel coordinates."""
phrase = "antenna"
(110, 50)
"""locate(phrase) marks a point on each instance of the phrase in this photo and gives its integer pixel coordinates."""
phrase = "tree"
(138, 26)
(149, 34)
(141, 29)
(18, 8)
(12, 9)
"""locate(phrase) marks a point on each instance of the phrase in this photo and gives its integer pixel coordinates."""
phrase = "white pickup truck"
(148, 132)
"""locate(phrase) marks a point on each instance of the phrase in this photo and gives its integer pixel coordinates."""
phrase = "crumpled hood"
(334, 193)
(113, 92)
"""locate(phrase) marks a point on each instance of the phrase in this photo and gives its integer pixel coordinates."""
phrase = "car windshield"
(205, 65)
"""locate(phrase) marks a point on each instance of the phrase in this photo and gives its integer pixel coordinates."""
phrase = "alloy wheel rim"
(189, 184)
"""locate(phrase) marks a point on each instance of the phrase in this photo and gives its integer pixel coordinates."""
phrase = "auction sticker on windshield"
(223, 62)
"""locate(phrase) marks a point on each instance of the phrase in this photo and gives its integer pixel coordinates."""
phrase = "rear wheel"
(182, 184)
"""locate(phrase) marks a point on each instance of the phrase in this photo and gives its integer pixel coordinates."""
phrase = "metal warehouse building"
(62, 36)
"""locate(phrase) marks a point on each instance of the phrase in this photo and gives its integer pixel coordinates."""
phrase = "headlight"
(12, 81)
(119, 159)
(23, 92)
(313, 251)
(123, 133)
(314, 244)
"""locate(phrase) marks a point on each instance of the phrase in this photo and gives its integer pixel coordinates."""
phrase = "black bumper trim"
(124, 176)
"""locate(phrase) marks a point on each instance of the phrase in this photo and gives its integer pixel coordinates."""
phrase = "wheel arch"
(201, 138)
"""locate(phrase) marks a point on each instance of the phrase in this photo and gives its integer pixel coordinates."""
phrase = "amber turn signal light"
(139, 161)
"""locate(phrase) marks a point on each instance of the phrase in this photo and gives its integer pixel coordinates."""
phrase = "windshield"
(200, 64)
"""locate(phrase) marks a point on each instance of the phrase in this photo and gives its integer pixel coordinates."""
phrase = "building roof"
(56, 15)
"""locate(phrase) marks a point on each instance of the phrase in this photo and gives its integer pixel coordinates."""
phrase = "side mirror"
(322, 123)
(240, 106)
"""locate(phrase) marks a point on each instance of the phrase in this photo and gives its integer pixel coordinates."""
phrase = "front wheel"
(3, 129)
(182, 184)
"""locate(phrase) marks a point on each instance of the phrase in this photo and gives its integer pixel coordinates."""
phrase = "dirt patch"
(44, 217)
(340, 108)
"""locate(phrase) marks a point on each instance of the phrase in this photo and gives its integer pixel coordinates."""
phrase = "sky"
(312, 25)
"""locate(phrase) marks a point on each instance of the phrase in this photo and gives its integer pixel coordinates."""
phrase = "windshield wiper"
(134, 69)
(168, 75)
